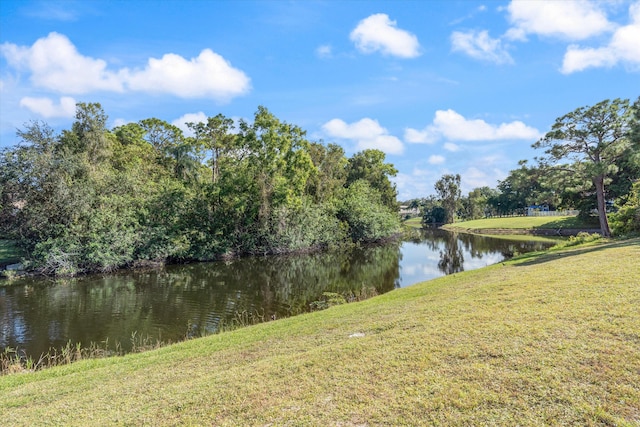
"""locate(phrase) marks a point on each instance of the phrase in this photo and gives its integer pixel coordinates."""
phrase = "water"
(175, 302)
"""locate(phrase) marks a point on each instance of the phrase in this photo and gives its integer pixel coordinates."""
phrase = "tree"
(214, 136)
(370, 166)
(432, 212)
(278, 161)
(89, 199)
(448, 188)
(91, 132)
(368, 219)
(476, 204)
(331, 171)
(161, 134)
(593, 139)
(627, 219)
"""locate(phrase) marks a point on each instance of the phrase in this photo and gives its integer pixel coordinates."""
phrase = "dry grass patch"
(543, 340)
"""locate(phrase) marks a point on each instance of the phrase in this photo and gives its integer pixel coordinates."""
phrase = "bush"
(627, 219)
(578, 239)
(367, 218)
(310, 226)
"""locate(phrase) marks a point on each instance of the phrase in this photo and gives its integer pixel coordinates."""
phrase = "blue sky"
(441, 86)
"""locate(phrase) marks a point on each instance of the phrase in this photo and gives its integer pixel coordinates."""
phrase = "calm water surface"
(175, 302)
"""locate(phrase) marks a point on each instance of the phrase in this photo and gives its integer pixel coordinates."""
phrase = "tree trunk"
(602, 206)
(215, 155)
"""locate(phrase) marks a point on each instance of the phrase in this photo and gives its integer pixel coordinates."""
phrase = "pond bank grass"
(525, 223)
(413, 222)
(544, 339)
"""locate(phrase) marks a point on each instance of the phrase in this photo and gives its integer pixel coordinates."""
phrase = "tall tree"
(433, 213)
(448, 189)
(278, 159)
(91, 132)
(370, 166)
(215, 137)
(161, 134)
(593, 139)
(477, 202)
(331, 171)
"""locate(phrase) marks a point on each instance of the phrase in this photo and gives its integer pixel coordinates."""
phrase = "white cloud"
(450, 146)
(45, 107)
(451, 125)
(416, 136)
(55, 64)
(53, 11)
(367, 133)
(479, 45)
(363, 129)
(208, 75)
(181, 122)
(624, 47)
(436, 159)
(379, 33)
(120, 122)
(419, 183)
(476, 172)
(480, 176)
(568, 19)
(324, 51)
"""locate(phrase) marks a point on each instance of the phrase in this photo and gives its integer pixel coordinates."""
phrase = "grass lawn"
(526, 223)
(525, 238)
(8, 252)
(545, 339)
(416, 223)
(413, 222)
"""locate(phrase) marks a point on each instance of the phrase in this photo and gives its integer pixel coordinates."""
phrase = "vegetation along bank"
(93, 199)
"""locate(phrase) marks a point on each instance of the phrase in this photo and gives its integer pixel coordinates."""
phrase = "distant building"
(406, 210)
(534, 210)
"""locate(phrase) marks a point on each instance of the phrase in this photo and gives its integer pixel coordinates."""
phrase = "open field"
(545, 339)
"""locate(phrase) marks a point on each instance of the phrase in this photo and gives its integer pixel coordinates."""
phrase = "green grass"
(413, 222)
(526, 223)
(545, 339)
(525, 238)
(8, 252)
(416, 223)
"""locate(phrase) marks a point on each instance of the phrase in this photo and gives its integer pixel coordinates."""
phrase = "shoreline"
(560, 232)
(142, 264)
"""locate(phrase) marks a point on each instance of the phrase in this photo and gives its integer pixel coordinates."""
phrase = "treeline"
(590, 163)
(94, 199)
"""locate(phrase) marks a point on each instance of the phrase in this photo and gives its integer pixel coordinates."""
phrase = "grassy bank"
(526, 223)
(413, 222)
(547, 339)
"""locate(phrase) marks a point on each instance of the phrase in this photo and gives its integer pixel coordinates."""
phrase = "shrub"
(627, 219)
(367, 218)
(578, 239)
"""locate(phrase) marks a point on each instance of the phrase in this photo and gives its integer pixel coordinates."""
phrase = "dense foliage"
(94, 199)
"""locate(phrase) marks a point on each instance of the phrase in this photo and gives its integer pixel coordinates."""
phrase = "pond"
(175, 302)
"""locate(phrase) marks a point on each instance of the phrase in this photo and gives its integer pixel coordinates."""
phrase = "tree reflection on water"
(174, 302)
